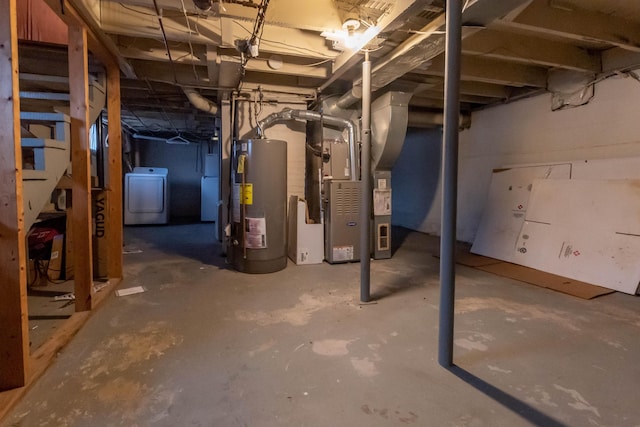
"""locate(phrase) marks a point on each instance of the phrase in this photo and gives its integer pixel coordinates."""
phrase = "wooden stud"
(80, 166)
(114, 223)
(14, 330)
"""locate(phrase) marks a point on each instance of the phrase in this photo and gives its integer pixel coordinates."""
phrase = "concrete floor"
(208, 346)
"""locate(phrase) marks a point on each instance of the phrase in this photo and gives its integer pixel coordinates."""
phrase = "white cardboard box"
(306, 241)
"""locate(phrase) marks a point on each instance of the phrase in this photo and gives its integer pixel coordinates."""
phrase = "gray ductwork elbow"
(350, 98)
(307, 115)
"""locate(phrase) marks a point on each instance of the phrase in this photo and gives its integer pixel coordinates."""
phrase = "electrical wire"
(166, 43)
(315, 64)
(297, 48)
(186, 18)
(257, 108)
(254, 40)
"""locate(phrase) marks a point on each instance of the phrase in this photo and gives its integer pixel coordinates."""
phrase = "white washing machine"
(146, 199)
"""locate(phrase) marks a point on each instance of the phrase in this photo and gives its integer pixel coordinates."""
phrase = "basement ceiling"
(510, 47)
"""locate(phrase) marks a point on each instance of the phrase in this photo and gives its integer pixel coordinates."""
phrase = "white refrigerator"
(210, 190)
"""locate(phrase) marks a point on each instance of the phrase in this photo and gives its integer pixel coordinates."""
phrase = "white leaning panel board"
(503, 216)
(506, 206)
(587, 230)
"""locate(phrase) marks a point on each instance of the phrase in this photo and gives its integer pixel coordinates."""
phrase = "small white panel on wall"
(506, 207)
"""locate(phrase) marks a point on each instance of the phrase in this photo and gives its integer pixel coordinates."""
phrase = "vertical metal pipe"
(449, 180)
(365, 177)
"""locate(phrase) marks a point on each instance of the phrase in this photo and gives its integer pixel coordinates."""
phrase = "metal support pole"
(449, 180)
(365, 177)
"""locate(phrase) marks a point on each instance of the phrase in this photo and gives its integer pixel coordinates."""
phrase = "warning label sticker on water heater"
(240, 168)
(255, 233)
(247, 194)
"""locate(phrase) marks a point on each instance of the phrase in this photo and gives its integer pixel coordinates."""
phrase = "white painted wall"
(522, 132)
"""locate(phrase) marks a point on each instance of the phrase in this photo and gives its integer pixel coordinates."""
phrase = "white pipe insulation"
(200, 102)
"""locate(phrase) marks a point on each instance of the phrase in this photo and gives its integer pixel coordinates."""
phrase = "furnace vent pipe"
(350, 98)
(313, 116)
(427, 119)
(200, 102)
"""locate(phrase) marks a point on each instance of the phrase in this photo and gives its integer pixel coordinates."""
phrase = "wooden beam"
(81, 166)
(466, 87)
(617, 59)
(425, 102)
(275, 39)
(580, 25)
(14, 331)
(213, 70)
(435, 94)
(531, 50)
(492, 71)
(114, 187)
(99, 43)
(153, 51)
(484, 89)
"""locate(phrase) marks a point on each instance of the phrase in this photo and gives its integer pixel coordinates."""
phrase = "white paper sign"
(381, 202)
(255, 233)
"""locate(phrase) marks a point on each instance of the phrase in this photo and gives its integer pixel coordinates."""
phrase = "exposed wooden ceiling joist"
(531, 50)
(492, 71)
(578, 25)
(508, 49)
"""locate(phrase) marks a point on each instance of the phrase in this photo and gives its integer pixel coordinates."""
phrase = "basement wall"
(525, 131)
(185, 170)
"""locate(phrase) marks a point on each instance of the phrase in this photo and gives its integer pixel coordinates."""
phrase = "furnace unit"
(342, 220)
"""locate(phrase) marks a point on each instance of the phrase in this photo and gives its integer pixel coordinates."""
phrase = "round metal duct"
(203, 4)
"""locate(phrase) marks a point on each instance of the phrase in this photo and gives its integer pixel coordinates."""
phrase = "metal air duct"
(200, 102)
(430, 119)
(307, 115)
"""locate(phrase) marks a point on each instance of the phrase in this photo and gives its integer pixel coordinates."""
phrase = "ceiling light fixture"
(350, 25)
(348, 38)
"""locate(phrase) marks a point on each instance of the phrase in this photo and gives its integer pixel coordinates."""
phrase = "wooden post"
(80, 166)
(114, 186)
(14, 330)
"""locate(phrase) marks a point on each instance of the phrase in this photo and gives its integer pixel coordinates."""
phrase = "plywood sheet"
(546, 280)
(506, 207)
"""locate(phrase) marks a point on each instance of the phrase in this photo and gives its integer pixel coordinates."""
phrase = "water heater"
(259, 206)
